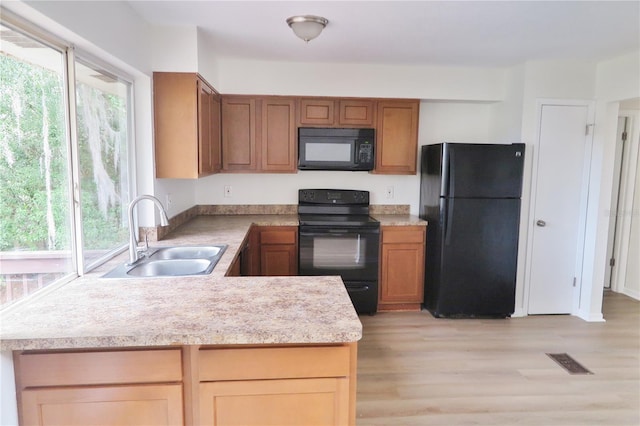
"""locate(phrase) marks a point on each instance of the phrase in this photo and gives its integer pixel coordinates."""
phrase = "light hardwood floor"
(414, 369)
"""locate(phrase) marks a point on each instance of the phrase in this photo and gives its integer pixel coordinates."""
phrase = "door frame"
(630, 162)
(584, 197)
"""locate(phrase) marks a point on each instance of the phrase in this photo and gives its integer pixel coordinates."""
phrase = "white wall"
(507, 114)
(90, 25)
(318, 79)
(528, 84)
(8, 402)
(616, 80)
(174, 48)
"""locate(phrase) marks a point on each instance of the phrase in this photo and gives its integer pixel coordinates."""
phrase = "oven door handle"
(354, 289)
(336, 231)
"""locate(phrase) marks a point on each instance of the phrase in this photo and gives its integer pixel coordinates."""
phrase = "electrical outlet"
(227, 191)
(390, 191)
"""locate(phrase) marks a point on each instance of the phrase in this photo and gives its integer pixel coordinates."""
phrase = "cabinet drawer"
(404, 234)
(273, 363)
(92, 368)
(280, 236)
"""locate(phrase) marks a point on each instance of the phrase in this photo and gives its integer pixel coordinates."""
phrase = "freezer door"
(482, 170)
(478, 256)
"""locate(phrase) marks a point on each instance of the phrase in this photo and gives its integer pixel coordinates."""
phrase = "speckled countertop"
(399, 220)
(95, 312)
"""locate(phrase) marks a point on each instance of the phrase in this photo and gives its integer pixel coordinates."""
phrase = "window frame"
(70, 55)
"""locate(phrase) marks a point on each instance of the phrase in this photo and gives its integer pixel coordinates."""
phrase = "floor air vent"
(569, 364)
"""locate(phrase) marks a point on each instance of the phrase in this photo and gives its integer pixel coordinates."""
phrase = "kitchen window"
(65, 157)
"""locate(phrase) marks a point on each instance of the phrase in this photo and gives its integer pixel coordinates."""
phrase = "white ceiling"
(465, 33)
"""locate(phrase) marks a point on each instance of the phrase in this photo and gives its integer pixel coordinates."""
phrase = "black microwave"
(336, 149)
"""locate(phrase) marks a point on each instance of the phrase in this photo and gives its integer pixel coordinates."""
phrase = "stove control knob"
(307, 195)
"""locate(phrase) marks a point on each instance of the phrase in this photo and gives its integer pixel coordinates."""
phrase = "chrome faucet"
(133, 240)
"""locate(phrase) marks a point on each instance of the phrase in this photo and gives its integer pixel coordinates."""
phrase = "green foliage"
(30, 105)
(34, 162)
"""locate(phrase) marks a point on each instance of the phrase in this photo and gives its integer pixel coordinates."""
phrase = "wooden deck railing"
(24, 272)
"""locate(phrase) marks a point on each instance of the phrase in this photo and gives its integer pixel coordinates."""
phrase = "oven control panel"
(333, 196)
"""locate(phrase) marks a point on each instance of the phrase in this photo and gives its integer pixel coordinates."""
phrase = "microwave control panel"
(365, 153)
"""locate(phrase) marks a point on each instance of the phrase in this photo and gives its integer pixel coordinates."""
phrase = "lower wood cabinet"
(278, 250)
(133, 387)
(193, 385)
(402, 268)
(275, 402)
(268, 251)
(141, 405)
(313, 385)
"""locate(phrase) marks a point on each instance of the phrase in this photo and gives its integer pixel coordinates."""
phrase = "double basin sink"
(172, 262)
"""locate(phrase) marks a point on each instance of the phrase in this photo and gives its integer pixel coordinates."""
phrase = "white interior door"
(559, 208)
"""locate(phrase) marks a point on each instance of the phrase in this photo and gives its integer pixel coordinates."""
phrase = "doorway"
(617, 201)
(560, 185)
(622, 249)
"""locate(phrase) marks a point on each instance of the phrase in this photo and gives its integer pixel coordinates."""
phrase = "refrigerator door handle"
(444, 183)
(451, 173)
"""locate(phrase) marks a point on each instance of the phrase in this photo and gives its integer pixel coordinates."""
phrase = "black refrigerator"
(470, 196)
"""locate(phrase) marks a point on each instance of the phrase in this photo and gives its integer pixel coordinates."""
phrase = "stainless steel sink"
(171, 268)
(172, 262)
(187, 252)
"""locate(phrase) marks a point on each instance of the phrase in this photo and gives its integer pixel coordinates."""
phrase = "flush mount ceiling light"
(307, 27)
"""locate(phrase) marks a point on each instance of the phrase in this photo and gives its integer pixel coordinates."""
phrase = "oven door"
(351, 252)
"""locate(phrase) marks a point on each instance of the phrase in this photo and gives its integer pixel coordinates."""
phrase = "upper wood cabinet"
(397, 136)
(278, 135)
(336, 112)
(187, 126)
(317, 112)
(239, 134)
(258, 134)
(356, 112)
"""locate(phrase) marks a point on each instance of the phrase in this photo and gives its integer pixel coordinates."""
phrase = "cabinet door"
(356, 112)
(205, 129)
(116, 405)
(175, 108)
(397, 137)
(278, 260)
(402, 266)
(317, 112)
(216, 133)
(278, 251)
(239, 151)
(235, 270)
(275, 402)
(278, 135)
